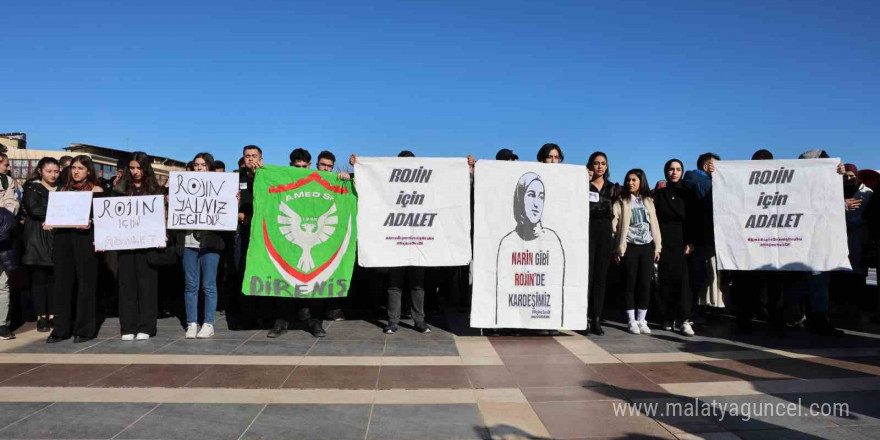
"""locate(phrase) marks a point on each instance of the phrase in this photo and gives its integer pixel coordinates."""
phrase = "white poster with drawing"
(531, 245)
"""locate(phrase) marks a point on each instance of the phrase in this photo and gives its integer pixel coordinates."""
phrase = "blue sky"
(642, 81)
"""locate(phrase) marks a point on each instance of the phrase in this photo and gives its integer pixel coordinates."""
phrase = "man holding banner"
(783, 215)
(413, 213)
(304, 234)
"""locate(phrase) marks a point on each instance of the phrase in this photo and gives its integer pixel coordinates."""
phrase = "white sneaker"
(191, 330)
(668, 325)
(142, 337)
(686, 328)
(206, 332)
(128, 337)
(634, 328)
(643, 328)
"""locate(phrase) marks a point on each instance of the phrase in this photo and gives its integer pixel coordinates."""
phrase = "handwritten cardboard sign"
(69, 209)
(129, 222)
(203, 201)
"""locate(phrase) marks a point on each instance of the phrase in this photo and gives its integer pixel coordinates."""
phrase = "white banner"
(531, 245)
(203, 201)
(68, 209)
(779, 215)
(129, 222)
(413, 212)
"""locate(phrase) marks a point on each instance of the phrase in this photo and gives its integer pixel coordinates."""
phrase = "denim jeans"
(202, 264)
(4, 297)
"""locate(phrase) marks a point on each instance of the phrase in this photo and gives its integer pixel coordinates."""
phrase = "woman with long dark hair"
(550, 153)
(76, 265)
(638, 246)
(201, 255)
(602, 194)
(138, 280)
(38, 241)
(674, 294)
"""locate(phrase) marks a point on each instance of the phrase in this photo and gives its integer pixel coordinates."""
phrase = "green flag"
(303, 234)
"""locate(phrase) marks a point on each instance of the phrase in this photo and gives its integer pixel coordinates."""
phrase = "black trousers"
(286, 308)
(414, 278)
(76, 279)
(638, 266)
(674, 299)
(749, 286)
(42, 289)
(138, 293)
(601, 247)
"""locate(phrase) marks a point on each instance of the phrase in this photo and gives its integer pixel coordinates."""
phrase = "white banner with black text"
(779, 215)
(413, 212)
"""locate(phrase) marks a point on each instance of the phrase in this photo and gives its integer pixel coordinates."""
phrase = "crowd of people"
(652, 247)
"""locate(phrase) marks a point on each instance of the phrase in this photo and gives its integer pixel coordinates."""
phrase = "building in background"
(24, 161)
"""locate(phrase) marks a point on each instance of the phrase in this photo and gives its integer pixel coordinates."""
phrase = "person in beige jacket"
(637, 246)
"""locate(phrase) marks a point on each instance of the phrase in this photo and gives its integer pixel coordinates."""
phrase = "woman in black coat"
(673, 204)
(38, 241)
(602, 195)
(138, 279)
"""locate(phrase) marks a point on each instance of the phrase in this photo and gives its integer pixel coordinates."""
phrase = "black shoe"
(596, 328)
(316, 328)
(390, 329)
(818, 324)
(336, 315)
(43, 324)
(5, 333)
(279, 329)
(81, 339)
(421, 327)
(303, 314)
(53, 338)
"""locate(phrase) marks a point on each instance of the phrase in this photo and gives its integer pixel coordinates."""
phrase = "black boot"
(316, 328)
(278, 329)
(596, 328)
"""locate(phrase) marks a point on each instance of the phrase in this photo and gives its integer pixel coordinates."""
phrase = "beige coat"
(623, 215)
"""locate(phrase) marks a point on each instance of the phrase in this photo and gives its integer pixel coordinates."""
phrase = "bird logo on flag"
(307, 235)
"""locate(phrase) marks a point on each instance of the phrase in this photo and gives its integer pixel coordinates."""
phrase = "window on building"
(23, 168)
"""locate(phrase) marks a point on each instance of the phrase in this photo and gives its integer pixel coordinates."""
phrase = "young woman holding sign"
(38, 241)
(138, 280)
(200, 258)
(76, 265)
(638, 246)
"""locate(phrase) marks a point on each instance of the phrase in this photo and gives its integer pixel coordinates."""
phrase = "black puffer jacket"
(37, 242)
(8, 251)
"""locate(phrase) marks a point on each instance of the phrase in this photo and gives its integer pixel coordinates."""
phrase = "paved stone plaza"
(358, 383)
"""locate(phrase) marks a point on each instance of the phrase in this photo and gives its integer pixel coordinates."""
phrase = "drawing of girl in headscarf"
(530, 270)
